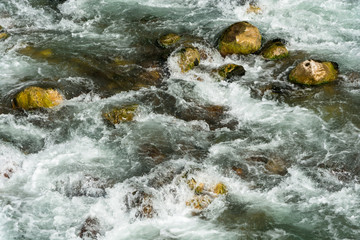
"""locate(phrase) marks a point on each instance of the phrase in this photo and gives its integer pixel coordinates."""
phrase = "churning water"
(65, 167)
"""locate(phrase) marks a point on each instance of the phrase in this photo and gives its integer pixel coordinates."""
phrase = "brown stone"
(311, 72)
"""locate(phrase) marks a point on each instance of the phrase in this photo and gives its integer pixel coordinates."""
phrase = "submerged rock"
(119, 115)
(90, 229)
(240, 38)
(274, 50)
(36, 53)
(238, 171)
(140, 202)
(36, 97)
(229, 71)
(168, 40)
(153, 152)
(311, 72)
(189, 58)
(276, 166)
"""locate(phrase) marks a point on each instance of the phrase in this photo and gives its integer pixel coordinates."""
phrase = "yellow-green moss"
(189, 58)
(4, 35)
(168, 40)
(226, 70)
(119, 115)
(312, 72)
(35, 97)
(275, 51)
(240, 38)
(220, 188)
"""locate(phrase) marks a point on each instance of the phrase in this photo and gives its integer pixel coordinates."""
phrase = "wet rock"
(258, 159)
(276, 166)
(240, 38)
(199, 202)
(153, 152)
(90, 229)
(238, 171)
(274, 50)
(140, 202)
(220, 188)
(189, 58)
(86, 186)
(119, 115)
(3, 34)
(212, 115)
(229, 71)
(168, 40)
(254, 9)
(36, 53)
(36, 97)
(312, 72)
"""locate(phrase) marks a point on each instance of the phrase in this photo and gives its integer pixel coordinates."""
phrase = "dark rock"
(90, 229)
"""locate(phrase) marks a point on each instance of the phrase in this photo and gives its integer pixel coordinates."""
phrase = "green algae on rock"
(119, 115)
(36, 97)
(274, 50)
(311, 72)
(240, 38)
(189, 58)
(168, 40)
(231, 70)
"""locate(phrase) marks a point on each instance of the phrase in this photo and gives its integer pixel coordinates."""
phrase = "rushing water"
(67, 165)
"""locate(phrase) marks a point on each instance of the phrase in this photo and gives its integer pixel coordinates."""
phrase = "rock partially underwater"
(312, 72)
(240, 38)
(36, 97)
(274, 50)
(189, 58)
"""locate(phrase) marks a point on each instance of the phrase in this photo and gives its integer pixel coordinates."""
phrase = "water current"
(68, 174)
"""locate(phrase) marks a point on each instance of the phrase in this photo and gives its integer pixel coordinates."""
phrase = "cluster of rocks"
(240, 38)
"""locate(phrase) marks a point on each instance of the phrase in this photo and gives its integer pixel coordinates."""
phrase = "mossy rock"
(311, 72)
(254, 9)
(189, 58)
(36, 97)
(168, 40)
(240, 38)
(220, 188)
(36, 53)
(275, 51)
(4, 36)
(231, 70)
(199, 202)
(119, 115)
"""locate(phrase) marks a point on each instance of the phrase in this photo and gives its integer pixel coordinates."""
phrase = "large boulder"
(312, 72)
(189, 58)
(240, 38)
(274, 50)
(36, 97)
(168, 40)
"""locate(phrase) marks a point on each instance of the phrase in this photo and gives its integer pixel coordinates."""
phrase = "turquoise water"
(67, 164)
